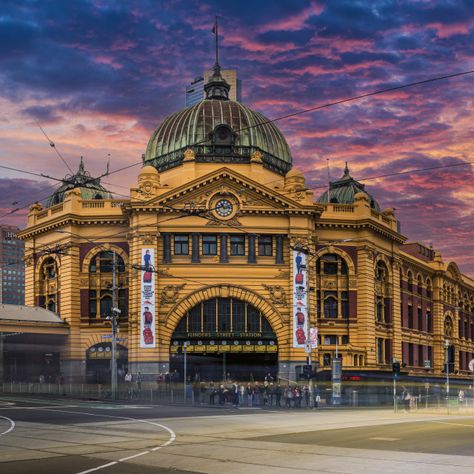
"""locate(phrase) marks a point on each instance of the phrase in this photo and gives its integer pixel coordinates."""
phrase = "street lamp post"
(185, 371)
(446, 343)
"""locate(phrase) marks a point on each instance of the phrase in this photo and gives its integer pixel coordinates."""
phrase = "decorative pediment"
(248, 195)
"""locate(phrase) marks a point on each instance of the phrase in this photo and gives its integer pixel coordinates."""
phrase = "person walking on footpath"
(128, 384)
(139, 384)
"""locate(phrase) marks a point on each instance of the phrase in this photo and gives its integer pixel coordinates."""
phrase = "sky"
(100, 76)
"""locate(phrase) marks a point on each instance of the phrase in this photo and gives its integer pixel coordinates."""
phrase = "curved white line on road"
(12, 425)
(103, 466)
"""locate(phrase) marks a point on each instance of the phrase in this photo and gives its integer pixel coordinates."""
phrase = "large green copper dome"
(218, 130)
(344, 189)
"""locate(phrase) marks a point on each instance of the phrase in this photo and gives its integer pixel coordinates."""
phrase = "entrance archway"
(98, 362)
(224, 338)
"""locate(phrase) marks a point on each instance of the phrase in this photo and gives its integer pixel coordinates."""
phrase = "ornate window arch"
(332, 274)
(448, 326)
(429, 288)
(48, 294)
(419, 284)
(100, 269)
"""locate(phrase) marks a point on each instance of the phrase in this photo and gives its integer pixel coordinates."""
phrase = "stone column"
(195, 253)
(252, 255)
(224, 256)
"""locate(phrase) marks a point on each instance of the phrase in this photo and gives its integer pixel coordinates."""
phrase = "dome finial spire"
(81, 166)
(217, 87)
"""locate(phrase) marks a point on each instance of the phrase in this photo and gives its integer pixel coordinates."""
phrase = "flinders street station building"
(221, 250)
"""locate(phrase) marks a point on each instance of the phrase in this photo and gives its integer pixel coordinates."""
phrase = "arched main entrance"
(224, 338)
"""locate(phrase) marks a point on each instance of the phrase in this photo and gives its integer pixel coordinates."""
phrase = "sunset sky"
(99, 76)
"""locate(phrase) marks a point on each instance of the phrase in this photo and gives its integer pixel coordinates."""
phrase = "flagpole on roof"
(215, 30)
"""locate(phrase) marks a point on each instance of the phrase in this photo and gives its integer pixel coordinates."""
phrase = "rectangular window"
(420, 319)
(330, 340)
(429, 321)
(265, 244)
(181, 245)
(421, 361)
(209, 245)
(237, 245)
(345, 339)
(410, 316)
(380, 348)
(410, 354)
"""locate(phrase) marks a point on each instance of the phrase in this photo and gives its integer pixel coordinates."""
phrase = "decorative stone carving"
(147, 239)
(189, 155)
(256, 157)
(84, 282)
(329, 283)
(277, 294)
(164, 272)
(170, 293)
(283, 274)
(228, 223)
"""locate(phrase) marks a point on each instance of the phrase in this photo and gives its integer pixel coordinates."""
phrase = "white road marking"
(12, 425)
(134, 456)
(103, 466)
(454, 424)
(385, 439)
(100, 467)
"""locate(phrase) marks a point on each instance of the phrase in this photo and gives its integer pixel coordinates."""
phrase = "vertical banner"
(147, 302)
(300, 309)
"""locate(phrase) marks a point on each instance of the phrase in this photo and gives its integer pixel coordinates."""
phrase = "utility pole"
(185, 372)
(447, 371)
(114, 320)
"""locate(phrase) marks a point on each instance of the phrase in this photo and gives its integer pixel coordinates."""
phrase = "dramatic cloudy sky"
(100, 75)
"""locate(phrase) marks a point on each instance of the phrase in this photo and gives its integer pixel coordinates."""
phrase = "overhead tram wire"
(53, 146)
(312, 109)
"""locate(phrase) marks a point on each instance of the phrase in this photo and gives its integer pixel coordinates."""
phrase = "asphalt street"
(81, 437)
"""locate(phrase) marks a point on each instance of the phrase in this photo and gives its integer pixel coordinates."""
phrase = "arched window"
(333, 286)
(49, 285)
(223, 315)
(429, 288)
(101, 269)
(419, 283)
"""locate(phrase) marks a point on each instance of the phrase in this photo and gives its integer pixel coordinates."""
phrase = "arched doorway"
(225, 338)
(98, 362)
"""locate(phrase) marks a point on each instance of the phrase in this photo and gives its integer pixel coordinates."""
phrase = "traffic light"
(396, 368)
(307, 370)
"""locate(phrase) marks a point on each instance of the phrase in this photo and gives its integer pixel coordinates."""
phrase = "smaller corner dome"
(294, 173)
(90, 188)
(344, 191)
(149, 170)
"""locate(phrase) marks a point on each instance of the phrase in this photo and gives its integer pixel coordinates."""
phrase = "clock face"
(224, 208)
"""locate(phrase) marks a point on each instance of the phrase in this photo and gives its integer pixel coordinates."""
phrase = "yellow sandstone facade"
(223, 221)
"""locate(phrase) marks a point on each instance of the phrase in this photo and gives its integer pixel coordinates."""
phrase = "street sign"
(471, 365)
(427, 364)
(107, 336)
